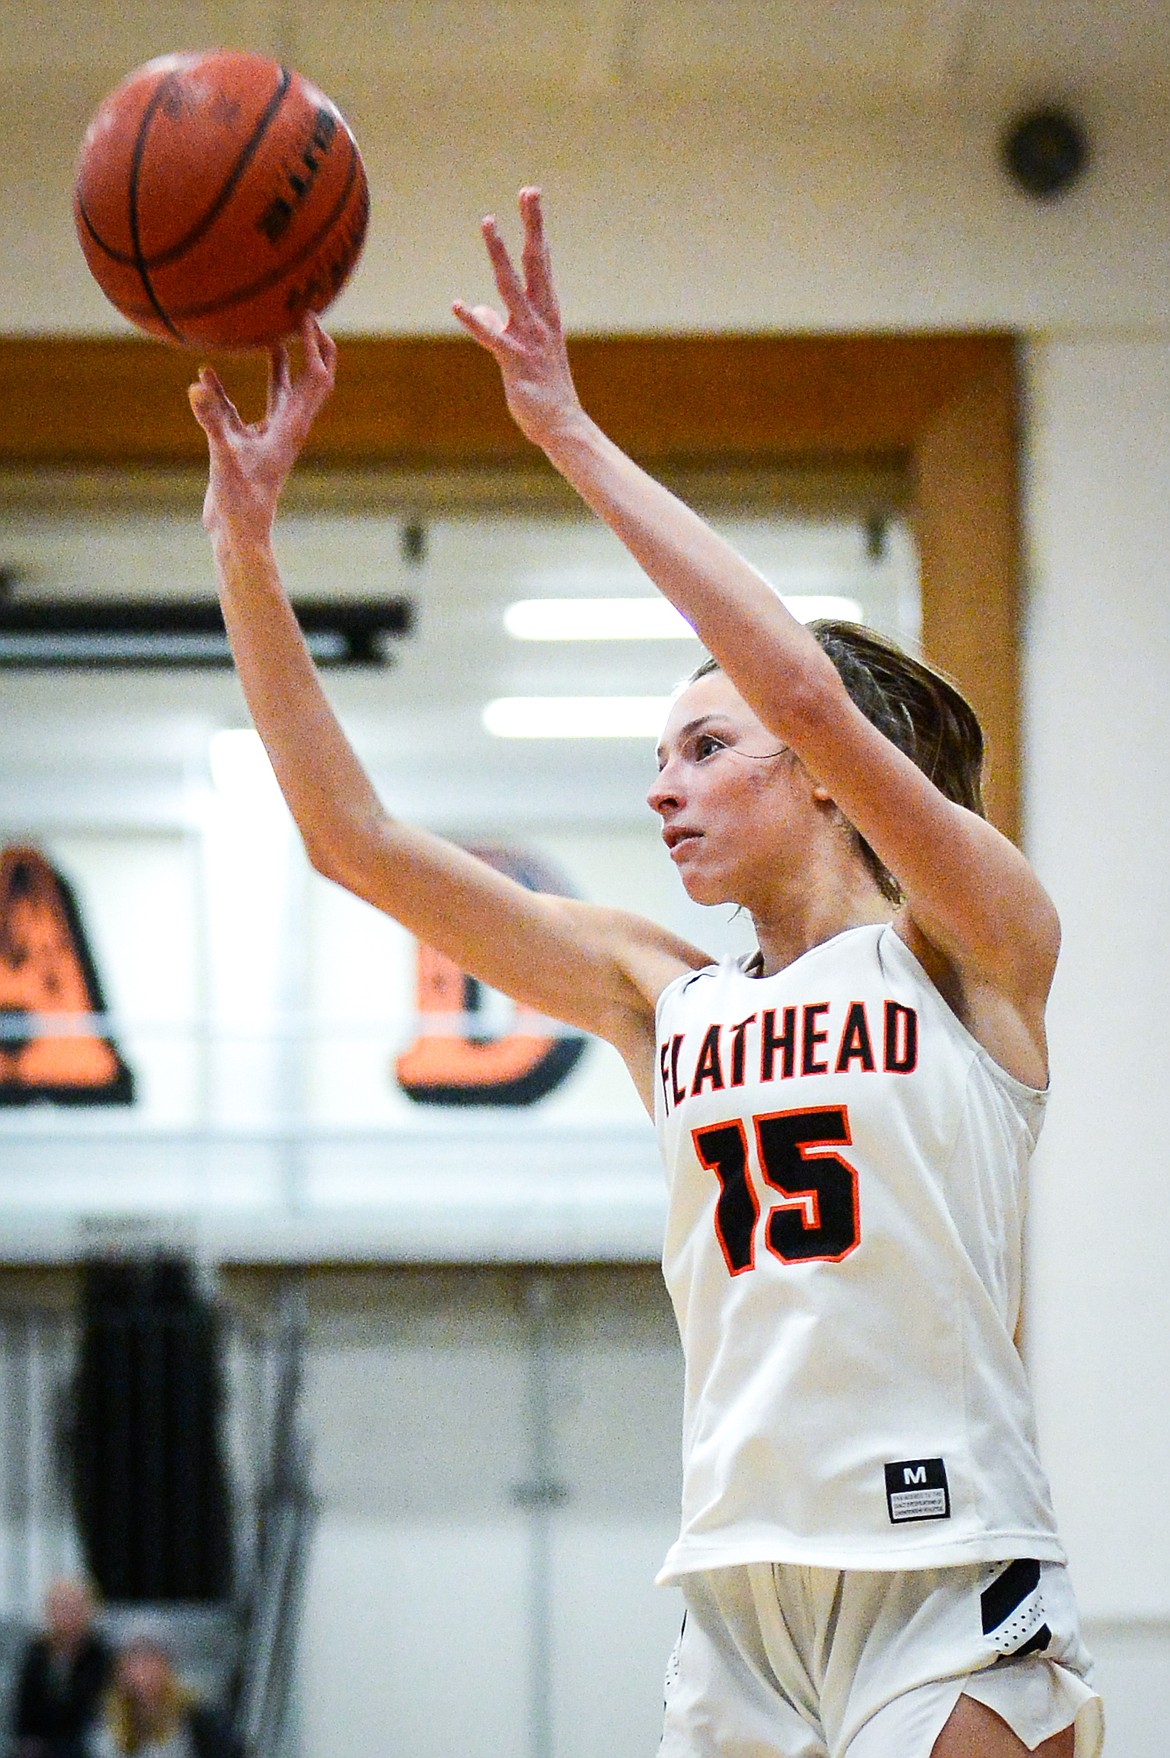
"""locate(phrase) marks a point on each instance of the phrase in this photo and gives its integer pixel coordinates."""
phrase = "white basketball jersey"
(843, 1250)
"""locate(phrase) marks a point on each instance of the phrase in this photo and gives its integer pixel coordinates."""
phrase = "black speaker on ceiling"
(1045, 151)
(149, 1475)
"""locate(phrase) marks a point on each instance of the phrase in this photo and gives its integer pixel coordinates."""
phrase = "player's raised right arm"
(594, 968)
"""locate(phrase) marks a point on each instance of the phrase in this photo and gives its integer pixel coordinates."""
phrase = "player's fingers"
(211, 405)
(278, 378)
(480, 321)
(312, 339)
(328, 349)
(508, 282)
(320, 359)
(532, 219)
(535, 258)
(199, 409)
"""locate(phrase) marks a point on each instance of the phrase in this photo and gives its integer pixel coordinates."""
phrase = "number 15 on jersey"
(816, 1219)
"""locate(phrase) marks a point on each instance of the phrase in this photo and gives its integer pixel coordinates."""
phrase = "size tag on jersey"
(916, 1489)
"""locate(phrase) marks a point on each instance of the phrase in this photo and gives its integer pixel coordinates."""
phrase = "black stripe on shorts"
(1008, 1592)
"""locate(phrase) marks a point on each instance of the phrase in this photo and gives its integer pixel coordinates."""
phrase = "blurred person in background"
(62, 1678)
(151, 1713)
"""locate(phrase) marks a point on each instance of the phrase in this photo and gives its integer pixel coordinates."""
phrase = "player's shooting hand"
(251, 460)
(527, 342)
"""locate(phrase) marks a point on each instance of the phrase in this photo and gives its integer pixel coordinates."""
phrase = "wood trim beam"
(967, 525)
(410, 403)
(941, 408)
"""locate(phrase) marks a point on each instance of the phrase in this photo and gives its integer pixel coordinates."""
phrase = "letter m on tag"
(917, 1489)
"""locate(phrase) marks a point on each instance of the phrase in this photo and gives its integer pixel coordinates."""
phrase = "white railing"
(287, 1138)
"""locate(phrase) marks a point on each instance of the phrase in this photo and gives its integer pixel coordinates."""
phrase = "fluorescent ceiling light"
(642, 619)
(576, 717)
(596, 619)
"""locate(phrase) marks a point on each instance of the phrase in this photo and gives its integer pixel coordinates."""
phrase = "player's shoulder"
(655, 957)
(644, 956)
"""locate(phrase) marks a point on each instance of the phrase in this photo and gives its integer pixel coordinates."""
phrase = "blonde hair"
(132, 1731)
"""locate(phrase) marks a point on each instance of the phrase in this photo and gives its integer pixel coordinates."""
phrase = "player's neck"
(798, 924)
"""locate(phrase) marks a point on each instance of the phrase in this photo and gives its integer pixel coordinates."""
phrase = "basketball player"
(868, 1554)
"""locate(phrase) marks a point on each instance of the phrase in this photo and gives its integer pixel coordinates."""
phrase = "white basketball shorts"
(776, 1660)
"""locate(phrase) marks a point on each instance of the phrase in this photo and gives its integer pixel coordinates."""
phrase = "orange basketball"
(218, 197)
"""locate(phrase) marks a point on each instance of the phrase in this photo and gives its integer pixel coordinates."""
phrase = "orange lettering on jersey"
(709, 1068)
(811, 1039)
(47, 972)
(673, 1090)
(810, 1029)
(900, 1046)
(738, 1050)
(785, 1043)
(679, 1092)
(855, 1043)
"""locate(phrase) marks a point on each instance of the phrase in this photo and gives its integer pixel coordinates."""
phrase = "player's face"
(736, 806)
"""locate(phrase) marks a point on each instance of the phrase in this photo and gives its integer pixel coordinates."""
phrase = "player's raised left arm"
(970, 892)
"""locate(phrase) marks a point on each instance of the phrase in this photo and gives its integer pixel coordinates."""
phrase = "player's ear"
(819, 792)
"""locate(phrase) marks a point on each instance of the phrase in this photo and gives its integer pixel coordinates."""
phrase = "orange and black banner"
(47, 978)
(460, 1066)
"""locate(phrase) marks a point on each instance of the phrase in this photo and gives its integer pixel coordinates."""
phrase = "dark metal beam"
(105, 633)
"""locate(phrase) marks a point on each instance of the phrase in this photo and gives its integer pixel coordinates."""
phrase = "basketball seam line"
(132, 192)
(276, 275)
(204, 224)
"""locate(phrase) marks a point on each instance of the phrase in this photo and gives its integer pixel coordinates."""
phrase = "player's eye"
(706, 744)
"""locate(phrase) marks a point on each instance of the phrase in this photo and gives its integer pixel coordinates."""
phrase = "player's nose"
(664, 794)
